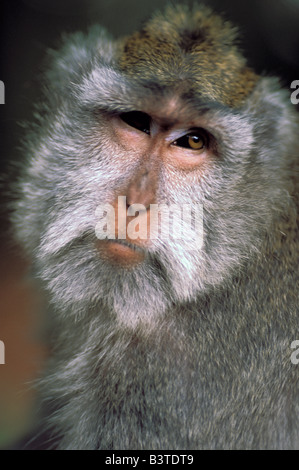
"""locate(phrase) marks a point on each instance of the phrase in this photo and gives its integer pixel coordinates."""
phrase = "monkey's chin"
(120, 252)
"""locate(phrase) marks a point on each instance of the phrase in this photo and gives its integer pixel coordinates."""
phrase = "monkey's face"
(150, 148)
(145, 191)
(168, 155)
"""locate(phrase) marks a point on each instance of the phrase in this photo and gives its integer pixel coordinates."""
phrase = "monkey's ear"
(78, 53)
(267, 99)
(271, 109)
(275, 123)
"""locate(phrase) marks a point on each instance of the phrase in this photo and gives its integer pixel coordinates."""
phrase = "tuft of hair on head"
(190, 44)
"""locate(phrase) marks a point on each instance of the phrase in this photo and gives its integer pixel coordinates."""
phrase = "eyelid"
(175, 135)
(137, 120)
(179, 133)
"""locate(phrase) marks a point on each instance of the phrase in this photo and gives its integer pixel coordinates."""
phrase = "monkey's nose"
(142, 190)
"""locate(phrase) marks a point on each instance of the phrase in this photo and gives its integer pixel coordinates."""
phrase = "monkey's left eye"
(194, 141)
(138, 120)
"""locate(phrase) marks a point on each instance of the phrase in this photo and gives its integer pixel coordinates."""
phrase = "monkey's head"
(169, 122)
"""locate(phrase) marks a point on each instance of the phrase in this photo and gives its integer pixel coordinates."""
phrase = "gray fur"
(191, 349)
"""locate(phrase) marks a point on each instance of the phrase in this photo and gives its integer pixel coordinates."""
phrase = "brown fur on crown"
(192, 45)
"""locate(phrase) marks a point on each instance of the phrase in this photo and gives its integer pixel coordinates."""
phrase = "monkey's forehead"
(193, 47)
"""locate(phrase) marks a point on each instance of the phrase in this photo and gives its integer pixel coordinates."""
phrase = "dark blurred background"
(270, 39)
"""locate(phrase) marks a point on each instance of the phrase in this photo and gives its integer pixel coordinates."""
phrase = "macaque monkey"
(164, 342)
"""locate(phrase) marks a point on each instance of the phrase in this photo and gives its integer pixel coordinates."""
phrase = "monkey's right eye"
(138, 120)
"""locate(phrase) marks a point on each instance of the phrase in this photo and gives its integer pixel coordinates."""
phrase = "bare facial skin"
(120, 253)
(164, 144)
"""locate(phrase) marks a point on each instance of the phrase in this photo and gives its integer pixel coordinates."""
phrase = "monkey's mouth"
(130, 245)
(121, 252)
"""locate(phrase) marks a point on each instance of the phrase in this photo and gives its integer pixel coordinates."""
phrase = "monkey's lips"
(121, 252)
